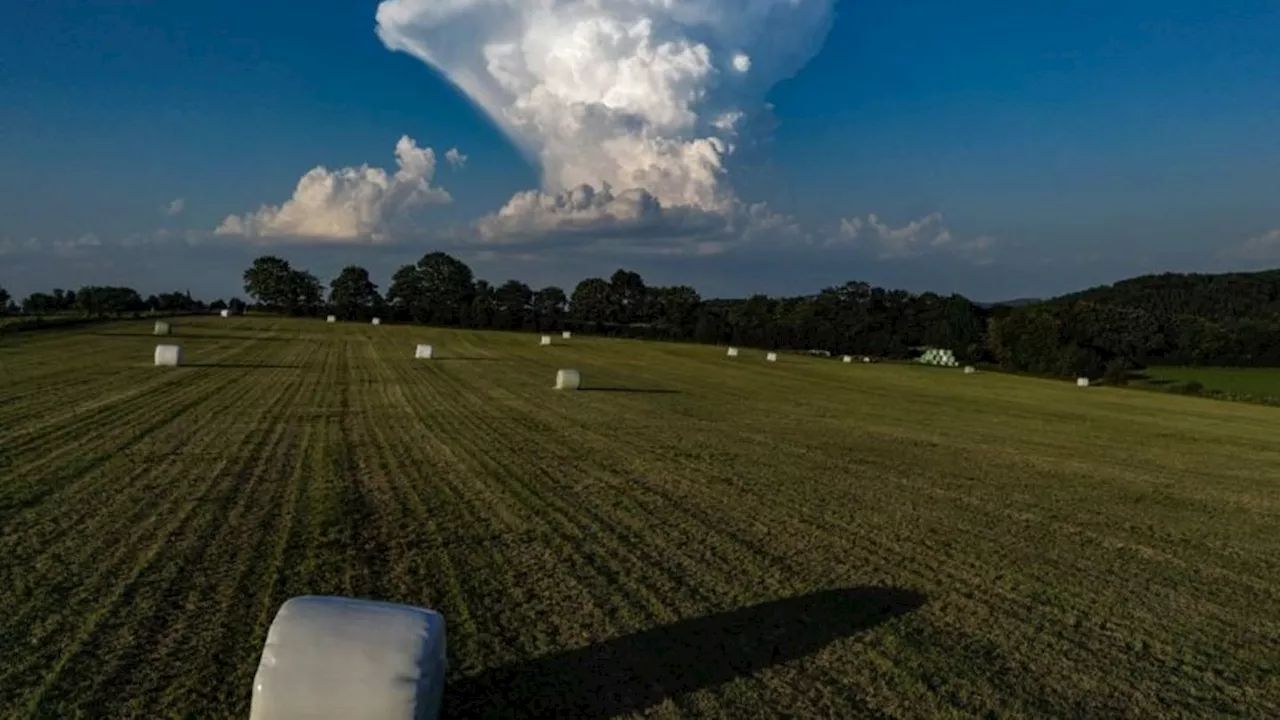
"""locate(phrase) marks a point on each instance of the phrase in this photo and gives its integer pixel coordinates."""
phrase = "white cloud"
(174, 207)
(632, 94)
(455, 158)
(348, 204)
(586, 216)
(61, 248)
(928, 234)
(1261, 247)
(632, 221)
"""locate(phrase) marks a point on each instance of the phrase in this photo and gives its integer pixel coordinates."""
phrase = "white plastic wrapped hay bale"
(334, 657)
(866, 359)
(1082, 382)
(969, 370)
(771, 357)
(847, 358)
(168, 356)
(568, 380)
(733, 352)
(331, 319)
(422, 352)
(546, 340)
(566, 334)
(162, 328)
(226, 313)
(377, 321)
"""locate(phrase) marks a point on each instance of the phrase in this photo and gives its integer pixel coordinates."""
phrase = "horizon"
(1000, 154)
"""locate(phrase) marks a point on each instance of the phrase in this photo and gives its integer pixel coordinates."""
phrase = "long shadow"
(635, 672)
(242, 366)
(469, 359)
(188, 336)
(642, 391)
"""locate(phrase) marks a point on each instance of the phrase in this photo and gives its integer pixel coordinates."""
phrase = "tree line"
(1184, 319)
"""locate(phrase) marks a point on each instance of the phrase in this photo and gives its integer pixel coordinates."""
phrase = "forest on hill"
(1169, 319)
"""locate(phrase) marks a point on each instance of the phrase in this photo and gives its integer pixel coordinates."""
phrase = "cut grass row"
(1098, 552)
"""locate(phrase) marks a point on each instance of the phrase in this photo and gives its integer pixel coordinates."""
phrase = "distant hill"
(1221, 298)
(1229, 319)
(1018, 302)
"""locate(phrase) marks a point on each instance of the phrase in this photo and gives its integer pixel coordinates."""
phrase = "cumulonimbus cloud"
(640, 100)
(347, 204)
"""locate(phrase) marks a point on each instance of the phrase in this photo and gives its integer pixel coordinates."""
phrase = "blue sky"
(994, 149)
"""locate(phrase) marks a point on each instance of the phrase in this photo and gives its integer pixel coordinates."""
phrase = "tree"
(591, 301)
(270, 281)
(484, 305)
(438, 290)
(353, 295)
(627, 296)
(407, 295)
(549, 307)
(514, 302)
(4, 300)
(277, 286)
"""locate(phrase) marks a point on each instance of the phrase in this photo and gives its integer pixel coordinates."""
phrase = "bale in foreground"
(546, 340)
(771, 357)
(568, 380)
(733, 352)
(168, 356)
(423, 352)
(335, 657)
(226, 313)
(377, 321)
(566, 334)
(332, 319)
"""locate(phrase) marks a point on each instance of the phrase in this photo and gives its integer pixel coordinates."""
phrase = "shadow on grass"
(242, 366)
(469, 359)
(639, 391)
(191, 336)
(634, 672)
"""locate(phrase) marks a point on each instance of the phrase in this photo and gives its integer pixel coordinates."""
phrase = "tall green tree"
(275, 284)
(515, 305)
(4, 300)
(549, 307)
(352, 295)
(438, 290)
(627, 297)
(270, 281)
(591, 301)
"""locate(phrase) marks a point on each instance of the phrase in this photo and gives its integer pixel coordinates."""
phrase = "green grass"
(1260, 383)
(713, 538)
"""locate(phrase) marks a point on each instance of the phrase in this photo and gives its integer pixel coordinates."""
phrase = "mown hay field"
(1259, 383)
(692, 536)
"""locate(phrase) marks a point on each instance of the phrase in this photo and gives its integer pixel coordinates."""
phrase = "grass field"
(699, 536)
(1260, 383)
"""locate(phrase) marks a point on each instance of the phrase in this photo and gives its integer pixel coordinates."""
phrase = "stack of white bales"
(939, 356)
